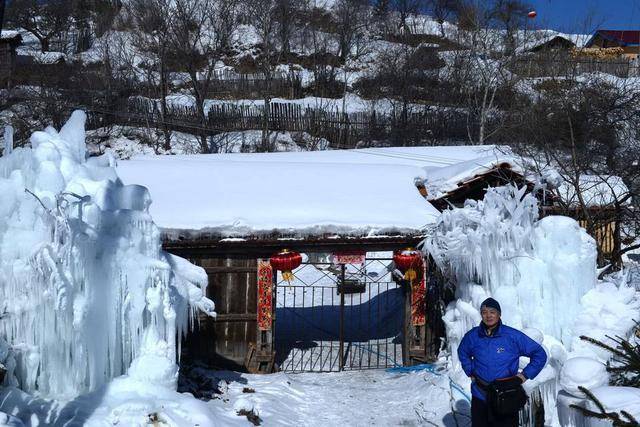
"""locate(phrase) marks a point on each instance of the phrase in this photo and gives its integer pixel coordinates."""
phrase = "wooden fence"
(229, 84)
(342, 130)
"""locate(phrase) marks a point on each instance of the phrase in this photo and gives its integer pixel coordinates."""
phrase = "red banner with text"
(265, 295)
(418, 296)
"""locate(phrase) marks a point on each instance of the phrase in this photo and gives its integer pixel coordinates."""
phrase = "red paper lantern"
(408, 261)
(532, 14)
(286, 261)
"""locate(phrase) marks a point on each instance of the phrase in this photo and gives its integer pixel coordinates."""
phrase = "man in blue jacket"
(490, 352)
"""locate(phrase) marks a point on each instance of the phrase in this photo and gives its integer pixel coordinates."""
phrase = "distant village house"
(627, 41)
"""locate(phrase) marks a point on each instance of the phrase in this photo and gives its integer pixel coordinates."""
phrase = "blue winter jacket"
(496, 356)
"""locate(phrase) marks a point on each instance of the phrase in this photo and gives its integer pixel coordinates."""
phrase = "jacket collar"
(482, 330)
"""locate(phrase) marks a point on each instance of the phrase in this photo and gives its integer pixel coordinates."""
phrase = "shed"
(551, 43)
(346, 211)
(604, 197)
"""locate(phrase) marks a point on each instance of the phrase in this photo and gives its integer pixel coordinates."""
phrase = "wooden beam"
(258, 248)
(224, 269)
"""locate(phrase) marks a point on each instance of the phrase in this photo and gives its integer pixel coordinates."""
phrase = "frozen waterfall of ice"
(543, 273)
(85, 288)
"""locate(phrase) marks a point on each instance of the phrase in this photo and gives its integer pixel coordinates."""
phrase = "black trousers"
(482, 417)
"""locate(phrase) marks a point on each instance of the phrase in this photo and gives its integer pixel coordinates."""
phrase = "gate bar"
(341, 347)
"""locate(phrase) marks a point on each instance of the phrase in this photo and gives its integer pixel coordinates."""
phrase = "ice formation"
(543, 273)
(85, 288)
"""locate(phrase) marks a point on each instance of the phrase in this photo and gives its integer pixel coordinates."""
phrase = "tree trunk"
(265, 143)
(616, 258)
(200, 100)
(163, 105)
(44, 44)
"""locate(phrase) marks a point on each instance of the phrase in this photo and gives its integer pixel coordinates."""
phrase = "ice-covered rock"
(582, 372)
(616, 399)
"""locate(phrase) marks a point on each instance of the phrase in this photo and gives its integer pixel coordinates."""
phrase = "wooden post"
(407, 330)
(341, 345)
(415, 322)
(260, 358)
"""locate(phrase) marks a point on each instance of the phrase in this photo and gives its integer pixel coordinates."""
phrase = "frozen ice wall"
(538, 270)
(84, 285)
(543, 273)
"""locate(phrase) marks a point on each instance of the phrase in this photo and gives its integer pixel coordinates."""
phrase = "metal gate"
(339, 317)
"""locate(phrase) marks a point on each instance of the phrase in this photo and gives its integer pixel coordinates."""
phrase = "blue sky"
(584, 16)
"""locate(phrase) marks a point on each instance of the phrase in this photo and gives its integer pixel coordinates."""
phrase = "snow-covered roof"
(350, 192)
(622, 37)
(539, 38)
(596, 191)
(43, 57)
(444, 180)
(9, 34)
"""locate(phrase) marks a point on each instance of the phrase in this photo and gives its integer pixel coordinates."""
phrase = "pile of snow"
(87, 293)
(125, 142)
(543, 273)
(582, 372)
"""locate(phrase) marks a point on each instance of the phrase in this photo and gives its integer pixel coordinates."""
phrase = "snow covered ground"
(357, 398)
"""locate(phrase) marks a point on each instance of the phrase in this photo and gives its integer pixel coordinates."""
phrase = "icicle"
(8, 140)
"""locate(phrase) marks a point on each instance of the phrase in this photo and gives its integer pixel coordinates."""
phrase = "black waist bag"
(506, 397)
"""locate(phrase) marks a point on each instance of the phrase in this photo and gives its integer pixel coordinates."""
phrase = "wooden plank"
(235, 317)
(225, 269)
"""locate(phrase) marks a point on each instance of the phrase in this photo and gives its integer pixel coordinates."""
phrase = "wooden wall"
(223, 342)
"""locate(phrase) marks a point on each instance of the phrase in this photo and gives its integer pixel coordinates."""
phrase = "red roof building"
(628, 40)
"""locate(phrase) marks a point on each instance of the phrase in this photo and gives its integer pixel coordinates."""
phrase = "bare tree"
(225, 18)
(152, 34)
(286, 14)
(351, 19)
(512, 16)
(442, 11)
(403, 10)
(587, 129)
(482, 69)
(196, 44)
(262, 14)
(44, 20)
